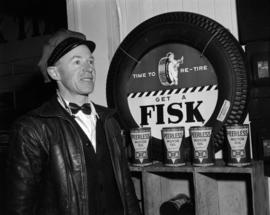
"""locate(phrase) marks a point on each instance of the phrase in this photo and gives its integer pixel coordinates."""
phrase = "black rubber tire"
(210, 38)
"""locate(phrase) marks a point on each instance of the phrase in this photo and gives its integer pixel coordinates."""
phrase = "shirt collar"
(93, 109)
(64, 103)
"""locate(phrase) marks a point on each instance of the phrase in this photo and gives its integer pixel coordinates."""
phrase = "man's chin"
(89, 92)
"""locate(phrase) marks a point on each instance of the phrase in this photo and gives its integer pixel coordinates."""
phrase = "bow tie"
(85, 108)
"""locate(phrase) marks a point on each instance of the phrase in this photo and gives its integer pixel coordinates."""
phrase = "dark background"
(253, 20)
(24, 26)
(254, 35)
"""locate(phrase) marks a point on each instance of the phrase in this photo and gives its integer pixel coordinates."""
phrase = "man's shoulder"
(37, 112)
(105, 111)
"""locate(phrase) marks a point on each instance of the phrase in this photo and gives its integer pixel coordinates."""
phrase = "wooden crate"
(216, 190)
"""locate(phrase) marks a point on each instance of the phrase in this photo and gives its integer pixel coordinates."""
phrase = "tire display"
(178, 69)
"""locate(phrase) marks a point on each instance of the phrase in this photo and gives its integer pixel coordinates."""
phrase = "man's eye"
(91, 62)
(77, 62)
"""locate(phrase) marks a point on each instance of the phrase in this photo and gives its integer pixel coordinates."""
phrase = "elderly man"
(66, 157)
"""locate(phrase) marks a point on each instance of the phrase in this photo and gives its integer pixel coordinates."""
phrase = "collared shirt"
(86, 122)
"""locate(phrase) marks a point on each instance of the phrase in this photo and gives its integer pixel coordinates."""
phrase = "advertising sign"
(172, 85)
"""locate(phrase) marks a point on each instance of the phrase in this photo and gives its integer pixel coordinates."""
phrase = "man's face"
(77, 72)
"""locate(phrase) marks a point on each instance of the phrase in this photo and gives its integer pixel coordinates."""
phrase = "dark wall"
(254, 34)
(24, 27)
(253, 20)
(21, 19)
(258, 55)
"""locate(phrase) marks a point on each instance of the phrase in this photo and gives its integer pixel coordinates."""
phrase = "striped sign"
(173, 107)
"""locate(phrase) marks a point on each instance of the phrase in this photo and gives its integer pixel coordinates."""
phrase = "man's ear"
(53, 73)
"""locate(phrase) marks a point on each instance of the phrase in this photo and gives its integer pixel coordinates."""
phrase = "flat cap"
(59, 44)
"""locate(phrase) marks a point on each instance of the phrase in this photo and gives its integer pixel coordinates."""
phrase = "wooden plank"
(233, 197)
(159, 7)
(225, 169)
(151, 192)
(191, 5)
(234, 26)
(133, 14)
(260, 190)
(174, 5)
(159, 167)
(216, 190)
(206, 7)
(147, 9)
(225, 14)
(113, 27)
(206, 195)
(72, 14)
(158, 188)
(122, 17)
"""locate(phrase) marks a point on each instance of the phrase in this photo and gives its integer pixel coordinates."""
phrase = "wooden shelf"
(217, 190)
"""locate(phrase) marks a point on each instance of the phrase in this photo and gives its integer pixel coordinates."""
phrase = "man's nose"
(88, 66)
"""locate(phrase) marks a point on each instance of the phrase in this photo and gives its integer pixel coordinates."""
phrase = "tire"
(196, 32)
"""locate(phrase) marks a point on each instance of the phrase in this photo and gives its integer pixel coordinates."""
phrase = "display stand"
(215, 190)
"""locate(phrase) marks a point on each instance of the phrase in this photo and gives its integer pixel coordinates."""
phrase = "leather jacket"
(46, 171)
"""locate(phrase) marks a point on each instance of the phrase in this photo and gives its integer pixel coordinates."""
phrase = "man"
(66, 157)
(173, 66)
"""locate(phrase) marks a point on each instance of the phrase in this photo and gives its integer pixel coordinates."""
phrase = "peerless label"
(237, 137)
(140, 138)
(203, 150)
(173, 138)
(172, 86)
